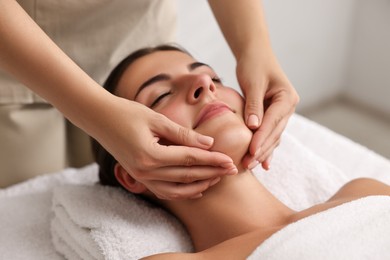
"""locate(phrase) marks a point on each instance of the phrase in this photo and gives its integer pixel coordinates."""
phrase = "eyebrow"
(197, 64)
(164, 77)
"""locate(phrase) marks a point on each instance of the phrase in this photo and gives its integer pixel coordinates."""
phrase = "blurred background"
(336, 54)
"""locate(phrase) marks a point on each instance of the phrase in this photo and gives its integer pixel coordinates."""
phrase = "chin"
(230, 138)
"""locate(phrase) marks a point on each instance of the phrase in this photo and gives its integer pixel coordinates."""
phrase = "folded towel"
(25, 214)
(96, 222)
(356, 230)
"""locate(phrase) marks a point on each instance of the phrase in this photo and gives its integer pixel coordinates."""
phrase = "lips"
(211, 110)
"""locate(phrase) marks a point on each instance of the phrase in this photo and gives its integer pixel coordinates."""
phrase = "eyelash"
(159, 98)
(216, 79)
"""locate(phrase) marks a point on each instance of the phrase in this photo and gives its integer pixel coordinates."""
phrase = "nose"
(201, 86)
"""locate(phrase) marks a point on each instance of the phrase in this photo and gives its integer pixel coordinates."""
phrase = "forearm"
(242, 23)
(33, 58)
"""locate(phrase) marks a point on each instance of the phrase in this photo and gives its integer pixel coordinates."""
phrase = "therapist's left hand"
(270, 101)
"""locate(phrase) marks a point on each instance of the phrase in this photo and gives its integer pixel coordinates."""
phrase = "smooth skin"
(31, 57)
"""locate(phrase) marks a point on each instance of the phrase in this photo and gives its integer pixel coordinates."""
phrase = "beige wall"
(368, 79)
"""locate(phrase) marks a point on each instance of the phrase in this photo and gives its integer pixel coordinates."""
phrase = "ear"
(127, 181)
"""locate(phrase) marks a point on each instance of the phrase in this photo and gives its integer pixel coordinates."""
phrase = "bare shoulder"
(362, 187)
(355, 189)
(172, 256)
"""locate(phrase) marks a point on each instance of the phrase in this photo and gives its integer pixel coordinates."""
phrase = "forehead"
(167, 62)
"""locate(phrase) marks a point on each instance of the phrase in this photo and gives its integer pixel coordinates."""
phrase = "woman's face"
(191, 94)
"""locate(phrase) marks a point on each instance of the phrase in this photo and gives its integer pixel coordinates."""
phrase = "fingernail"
(269, 159)
(253, 164)
(197, 196)
(228, 165)
(215, 181)
(206, 140)
(253, 121)
(232, 171)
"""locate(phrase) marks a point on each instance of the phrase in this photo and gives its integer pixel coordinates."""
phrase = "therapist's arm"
(126, 129)
(270, 97)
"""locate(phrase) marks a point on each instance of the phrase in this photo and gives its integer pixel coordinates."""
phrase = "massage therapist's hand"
(270, 97)
(171, 172)
(128, 130)
(270, 101)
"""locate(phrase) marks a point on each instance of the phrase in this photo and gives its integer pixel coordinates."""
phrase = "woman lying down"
(237, 213)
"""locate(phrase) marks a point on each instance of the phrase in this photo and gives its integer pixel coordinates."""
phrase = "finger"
(251, 162)
(180, 135)
(254, 106)
(175, 191)
(260, 155)
(263, 152)
(188, 174)
(273, 116)
(273, 139)
(189, 156)
(267, 163)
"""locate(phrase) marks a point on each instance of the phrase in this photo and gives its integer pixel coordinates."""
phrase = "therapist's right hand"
(128, 130)
(171, 172)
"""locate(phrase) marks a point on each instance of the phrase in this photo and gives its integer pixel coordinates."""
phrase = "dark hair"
(103, 158)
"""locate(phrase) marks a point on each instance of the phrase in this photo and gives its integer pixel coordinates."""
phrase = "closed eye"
(217, 80)
(159, 98)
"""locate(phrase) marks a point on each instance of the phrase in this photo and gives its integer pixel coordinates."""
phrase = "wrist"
(95, 112)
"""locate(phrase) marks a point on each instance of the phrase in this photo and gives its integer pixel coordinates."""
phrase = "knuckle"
(296, 100)
(187, 177)
(293, 97)
(277, 120)
(147, 162)
(183, 134)
(252, 104)
(189, 160)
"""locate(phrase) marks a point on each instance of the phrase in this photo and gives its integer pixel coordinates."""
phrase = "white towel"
(299, 177)
(98, 222)
(25, 214)
(356, 230)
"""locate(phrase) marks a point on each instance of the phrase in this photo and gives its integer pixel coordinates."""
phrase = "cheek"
(178, 113)
(234, 99)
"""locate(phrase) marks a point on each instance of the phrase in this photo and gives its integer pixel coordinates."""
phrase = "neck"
(236, 205)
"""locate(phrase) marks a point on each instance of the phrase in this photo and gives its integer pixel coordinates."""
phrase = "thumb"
(254, 110)
(180, 135)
